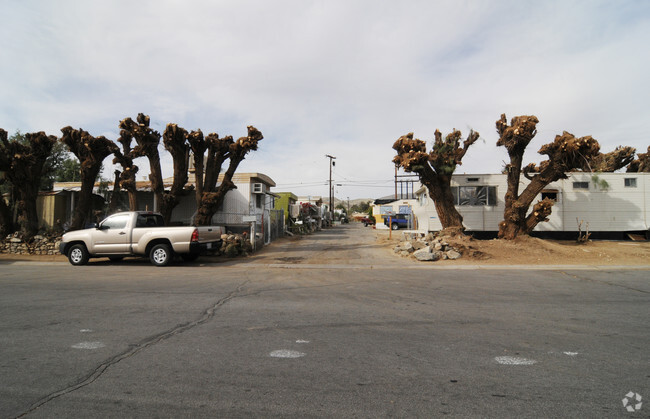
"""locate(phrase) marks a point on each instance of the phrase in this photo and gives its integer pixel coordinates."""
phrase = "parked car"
(368, 221)
(139, 233)
(398, 221)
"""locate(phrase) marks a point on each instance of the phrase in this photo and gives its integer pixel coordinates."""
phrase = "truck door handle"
(122, 233)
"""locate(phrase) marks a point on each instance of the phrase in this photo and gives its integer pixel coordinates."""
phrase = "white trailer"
(611, 203)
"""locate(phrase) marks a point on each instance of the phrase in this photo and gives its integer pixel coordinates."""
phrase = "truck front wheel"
(395, 226)
(78, 255)
(161, 255)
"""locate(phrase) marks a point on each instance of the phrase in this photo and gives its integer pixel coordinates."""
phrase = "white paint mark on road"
(86, 331)
(286, 353)
(570, 353)
(88, 345)
(302, 341)
(514, 360)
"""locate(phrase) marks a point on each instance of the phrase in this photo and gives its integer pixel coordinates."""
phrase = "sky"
(337, 77)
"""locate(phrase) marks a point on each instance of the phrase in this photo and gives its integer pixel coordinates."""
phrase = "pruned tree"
(435, 169)
(220, 150)
(24, 165)
(148, 140)
(565, 153)
(641, 163)
(175, 141)
(91, 152)
(198, 145)
(127, 180)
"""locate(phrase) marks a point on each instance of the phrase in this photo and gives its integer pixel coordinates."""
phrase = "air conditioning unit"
(258, 188)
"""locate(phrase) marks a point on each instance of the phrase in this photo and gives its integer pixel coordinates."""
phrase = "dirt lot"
(533, 251)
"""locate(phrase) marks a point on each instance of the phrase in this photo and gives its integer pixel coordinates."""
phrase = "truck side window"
(115, 223)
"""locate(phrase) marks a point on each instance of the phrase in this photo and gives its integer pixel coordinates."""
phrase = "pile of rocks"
(236, 245)
(39, 245)
(426, 248)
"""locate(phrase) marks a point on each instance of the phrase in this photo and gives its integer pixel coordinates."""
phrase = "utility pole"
(332, 163)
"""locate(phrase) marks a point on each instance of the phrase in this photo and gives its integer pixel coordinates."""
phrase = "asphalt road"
(327, 326)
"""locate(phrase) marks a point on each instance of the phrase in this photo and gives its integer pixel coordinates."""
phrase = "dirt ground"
(522, 251)
(534, 251)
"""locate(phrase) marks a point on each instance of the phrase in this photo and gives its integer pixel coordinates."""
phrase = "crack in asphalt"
(600, 281)
(208, 314)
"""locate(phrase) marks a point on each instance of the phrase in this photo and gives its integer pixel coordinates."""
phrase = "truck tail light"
(195, 235)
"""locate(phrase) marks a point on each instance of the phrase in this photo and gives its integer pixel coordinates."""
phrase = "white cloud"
(329, 77)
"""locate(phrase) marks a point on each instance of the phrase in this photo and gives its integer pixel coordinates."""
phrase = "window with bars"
(474, 195)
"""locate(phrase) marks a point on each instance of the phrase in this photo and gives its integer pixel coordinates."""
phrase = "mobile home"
(612, 204)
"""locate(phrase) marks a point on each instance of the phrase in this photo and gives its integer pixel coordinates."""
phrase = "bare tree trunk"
(198, 146)
(23, 165)
(565, 153)
(6, 220)
(115, 195)
(148, 140)
(129, 170)
(175, 140)
(440, 192)
(435, 170)
(91, 152)
(236, 152)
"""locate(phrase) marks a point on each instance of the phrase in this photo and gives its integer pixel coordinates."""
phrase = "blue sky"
(344, 78)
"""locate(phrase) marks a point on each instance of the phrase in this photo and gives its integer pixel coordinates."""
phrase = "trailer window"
(580, 185)
(475, 195)
(630, 182)
(552, 195)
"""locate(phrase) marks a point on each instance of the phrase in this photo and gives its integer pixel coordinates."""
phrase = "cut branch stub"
(411, 153)
(567, 152)
(641, 164)
(516, 137)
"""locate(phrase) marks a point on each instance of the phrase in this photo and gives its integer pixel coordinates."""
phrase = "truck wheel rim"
(159, 255)
(76, 255)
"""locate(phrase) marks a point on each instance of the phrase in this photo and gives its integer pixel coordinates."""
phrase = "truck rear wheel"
(78, 255)
(161, 255)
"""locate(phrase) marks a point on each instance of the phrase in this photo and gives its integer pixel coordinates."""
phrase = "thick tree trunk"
(156, 180)
(515, 221)
(84, 203)
(133, 201)
(28, 216)
(6, 220)
(115, 195)
(198, 176)
(175, 141)
(440, 191)
(211, 202)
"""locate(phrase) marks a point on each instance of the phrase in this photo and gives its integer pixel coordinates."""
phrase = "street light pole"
(331, 164)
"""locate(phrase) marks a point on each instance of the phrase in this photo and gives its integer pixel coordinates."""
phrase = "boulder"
(426, 255)
(452, 254)
(417, 245)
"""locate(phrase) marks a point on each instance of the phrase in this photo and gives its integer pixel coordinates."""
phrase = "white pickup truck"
(139, 233)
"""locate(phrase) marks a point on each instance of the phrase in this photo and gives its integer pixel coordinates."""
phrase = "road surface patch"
(286, 353)
(88, 345)
(514, 360)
